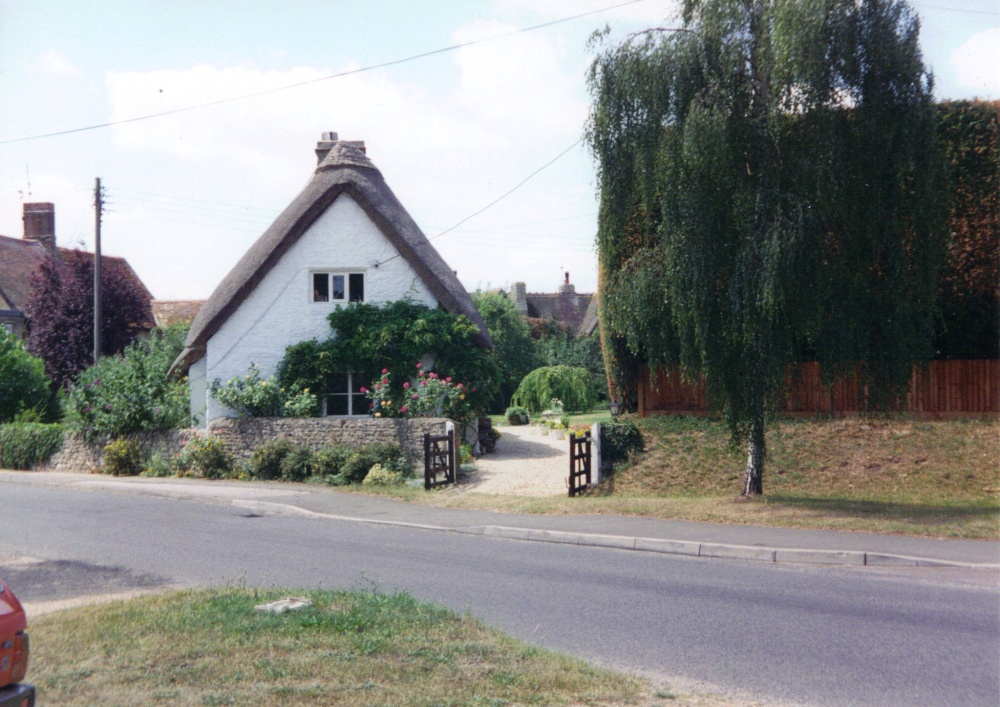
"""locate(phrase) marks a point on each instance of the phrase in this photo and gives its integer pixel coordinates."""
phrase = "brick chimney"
(328, 139)
(40, 223)
(566, 288)
(518, 293)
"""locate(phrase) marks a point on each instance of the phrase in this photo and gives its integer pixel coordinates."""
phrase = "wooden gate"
(579, 463)
(439, 460)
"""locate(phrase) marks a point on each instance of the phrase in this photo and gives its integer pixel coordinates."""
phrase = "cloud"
(977, 63)
(55, 63)
(647, 11)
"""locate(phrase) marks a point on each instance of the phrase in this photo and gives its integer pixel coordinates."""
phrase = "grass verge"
(927, 478)
(211, 648)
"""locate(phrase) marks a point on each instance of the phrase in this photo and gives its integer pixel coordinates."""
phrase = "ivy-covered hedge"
(619, 440)
(26, 444)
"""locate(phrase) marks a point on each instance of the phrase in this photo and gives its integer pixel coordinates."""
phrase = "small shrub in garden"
(516, 416)
(160, 464)
(265, 462)
(328, 461)
(619, 440)
(378, 475)
(25, 444)
(390, 455)
(123, 457)
(297, 464)
(250, 396)
(356, 466)
(207, 455)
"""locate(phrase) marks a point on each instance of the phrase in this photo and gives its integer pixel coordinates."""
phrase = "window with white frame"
(344, 397)
(338, 287)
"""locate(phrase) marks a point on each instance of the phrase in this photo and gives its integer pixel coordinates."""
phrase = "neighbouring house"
(168, 312)
(345, 238)
(21, 257)
(576, 313)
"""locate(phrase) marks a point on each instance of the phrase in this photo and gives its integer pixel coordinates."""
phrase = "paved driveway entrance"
(525, 464)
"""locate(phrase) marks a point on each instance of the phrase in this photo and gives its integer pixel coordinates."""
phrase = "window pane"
(357, 282)
(338, 286)
(360, 405)
(337, 383)
(336, 405)
(359, 381)
(321, 287)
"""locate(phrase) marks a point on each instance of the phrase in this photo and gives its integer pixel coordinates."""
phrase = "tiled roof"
(19, 258)
(167, 312)
(567, 308)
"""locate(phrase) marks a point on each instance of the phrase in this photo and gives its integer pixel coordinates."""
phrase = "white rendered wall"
(280, 311)
(197, 385)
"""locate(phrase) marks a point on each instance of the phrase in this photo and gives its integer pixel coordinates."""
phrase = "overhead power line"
(338, 75)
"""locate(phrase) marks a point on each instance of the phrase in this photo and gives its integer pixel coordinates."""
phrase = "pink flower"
(448, 379)
(459, 386)
(385, 370)
(415, 396)
(423, 383)
(434, 375)
(419, 364)
(406, 385)
(402, 409)
(363, 389)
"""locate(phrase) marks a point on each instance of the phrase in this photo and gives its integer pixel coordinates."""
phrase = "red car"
(13, 652)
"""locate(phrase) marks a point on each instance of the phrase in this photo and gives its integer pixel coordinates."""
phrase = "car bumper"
(17, 696)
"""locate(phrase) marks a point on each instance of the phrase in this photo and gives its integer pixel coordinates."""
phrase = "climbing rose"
(406, 386)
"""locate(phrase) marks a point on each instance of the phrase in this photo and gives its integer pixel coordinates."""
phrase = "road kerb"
(668, 547)
(737, 552)
(820, 557)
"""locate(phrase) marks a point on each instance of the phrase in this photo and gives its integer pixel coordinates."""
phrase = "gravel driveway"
(525, 464)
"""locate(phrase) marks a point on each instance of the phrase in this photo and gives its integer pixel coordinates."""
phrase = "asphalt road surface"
(778, 633)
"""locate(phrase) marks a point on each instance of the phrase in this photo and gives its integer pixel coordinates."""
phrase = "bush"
(24, 387)
(378, 475)
(23, 445)
(516, 416)
(207, 456)
(123, 457)
(250, 396)
(390, 455)
(570, 385)
(160, 464)
(619, 440)
(265, 462)
(297, 464)
(130, 392)
(328, 461)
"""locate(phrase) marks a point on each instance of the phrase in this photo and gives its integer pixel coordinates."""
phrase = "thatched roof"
(345, 169)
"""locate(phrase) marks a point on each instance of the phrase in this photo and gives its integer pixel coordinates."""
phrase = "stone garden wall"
(243, 436)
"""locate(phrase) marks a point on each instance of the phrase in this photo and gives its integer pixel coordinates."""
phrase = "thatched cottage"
(345, 238)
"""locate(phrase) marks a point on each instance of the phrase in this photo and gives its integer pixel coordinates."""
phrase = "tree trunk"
(754, 483)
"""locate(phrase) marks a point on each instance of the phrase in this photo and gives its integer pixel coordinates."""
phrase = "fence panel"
(579, 463)
(439, 460)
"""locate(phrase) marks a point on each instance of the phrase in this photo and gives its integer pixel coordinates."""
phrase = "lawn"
(930, 478)
(210, 647)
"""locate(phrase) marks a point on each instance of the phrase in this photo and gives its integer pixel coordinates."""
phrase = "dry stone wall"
(243, 436)
(78, 455)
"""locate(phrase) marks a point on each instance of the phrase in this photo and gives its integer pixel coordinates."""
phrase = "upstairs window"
(338, 287)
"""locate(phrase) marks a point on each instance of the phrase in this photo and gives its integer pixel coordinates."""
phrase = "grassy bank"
(932, 478)
(212, 648)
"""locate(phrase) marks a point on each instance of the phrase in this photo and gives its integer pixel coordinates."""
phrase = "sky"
(452, 132)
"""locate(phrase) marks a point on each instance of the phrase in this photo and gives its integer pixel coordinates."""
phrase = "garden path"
(525, 464)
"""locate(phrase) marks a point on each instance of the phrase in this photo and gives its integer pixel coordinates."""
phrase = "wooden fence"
(944, 389)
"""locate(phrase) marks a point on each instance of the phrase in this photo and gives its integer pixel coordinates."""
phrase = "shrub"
(130, 392)
(265, 462)
(250, 396)
(24, 387)
(297, 464)
(516, 416)
(390, 455)
(160, 464)
(328, 461)
(378, 475)
(26, 444)
(570, 385)
(208, 456)
(123, 457)
(619, 440)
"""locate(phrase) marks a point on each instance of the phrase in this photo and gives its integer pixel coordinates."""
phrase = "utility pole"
(98, 211)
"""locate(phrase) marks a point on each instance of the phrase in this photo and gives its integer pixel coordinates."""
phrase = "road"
(778, 633)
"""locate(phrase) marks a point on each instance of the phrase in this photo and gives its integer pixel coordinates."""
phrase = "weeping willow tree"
(766, 175)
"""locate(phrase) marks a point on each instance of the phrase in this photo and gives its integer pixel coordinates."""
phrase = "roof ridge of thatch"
(345, 169)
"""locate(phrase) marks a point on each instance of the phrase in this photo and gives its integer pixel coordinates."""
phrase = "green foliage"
(297, 464)
(250, 396)
(26, 444)
(391, 337)
(748, 218)
(390, 455)
(130, 392)
(207, 456)
(619, 441)
(378, 475)
(160, 464)
(570, 385)
(123, 457)
(516, 415)
(266, 460)
(24, 387)
(514, 351)
(559, 348)
(328, 461)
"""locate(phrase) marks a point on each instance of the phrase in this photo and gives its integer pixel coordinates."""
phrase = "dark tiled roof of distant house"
(167, 312)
